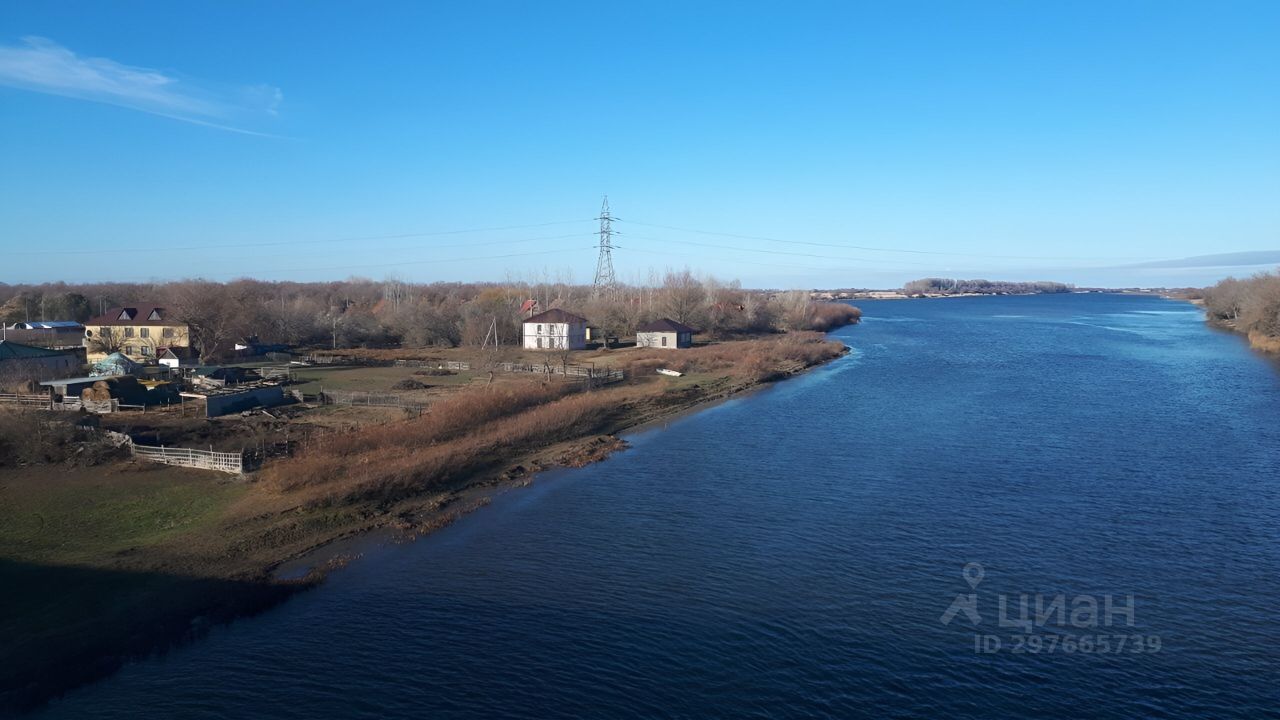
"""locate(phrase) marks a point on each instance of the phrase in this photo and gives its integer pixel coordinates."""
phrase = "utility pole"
(605, 281)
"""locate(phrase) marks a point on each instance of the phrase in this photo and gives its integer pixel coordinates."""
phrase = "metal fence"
(601, 376)
(360, 397)
(203, 459)
(184, 457)
(438, 364)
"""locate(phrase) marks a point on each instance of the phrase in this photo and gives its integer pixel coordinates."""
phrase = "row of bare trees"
(363, 312)
(1249, 305)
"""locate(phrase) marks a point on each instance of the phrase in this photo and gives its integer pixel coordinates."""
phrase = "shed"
(176, 357)
(665, 333)
(20, 364)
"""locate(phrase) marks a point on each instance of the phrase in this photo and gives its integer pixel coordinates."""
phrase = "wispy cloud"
(41, 65)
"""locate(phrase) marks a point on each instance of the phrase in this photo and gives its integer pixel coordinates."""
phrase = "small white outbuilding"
(664, 333)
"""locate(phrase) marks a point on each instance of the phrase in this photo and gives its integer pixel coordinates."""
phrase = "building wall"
(51, 338)
(655, 340)
(138, 342)
(555, 336)
(19, 372)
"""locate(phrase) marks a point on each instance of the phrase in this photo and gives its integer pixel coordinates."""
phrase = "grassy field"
(373, 379)
(85, 516)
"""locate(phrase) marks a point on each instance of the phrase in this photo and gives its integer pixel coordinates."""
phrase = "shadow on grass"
(61, 627)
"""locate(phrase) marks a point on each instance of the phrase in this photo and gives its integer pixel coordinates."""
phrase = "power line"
(874, 249)
(237, 273)
(366, 238)
(775, 252)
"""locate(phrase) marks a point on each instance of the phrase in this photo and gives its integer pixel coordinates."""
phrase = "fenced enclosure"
(203, 459)
(438, 364)
(184, 457)
(22, 400)
(598, 376)
(372, 399)
(97, 407)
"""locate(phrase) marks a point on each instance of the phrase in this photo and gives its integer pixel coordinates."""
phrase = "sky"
(784, 144)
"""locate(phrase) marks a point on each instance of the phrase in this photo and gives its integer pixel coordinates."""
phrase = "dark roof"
(135, 315)
(180, 353)
(49, 325)
(13, 351)
(556, 315)
(666, 325)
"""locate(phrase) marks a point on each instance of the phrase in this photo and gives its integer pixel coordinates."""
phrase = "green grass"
(79, 517)
(372, 379)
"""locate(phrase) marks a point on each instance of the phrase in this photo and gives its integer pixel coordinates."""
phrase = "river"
(795, 552)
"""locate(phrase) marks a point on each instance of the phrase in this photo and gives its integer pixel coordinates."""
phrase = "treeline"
(1251, 305)
(949, 286)
(368, 313)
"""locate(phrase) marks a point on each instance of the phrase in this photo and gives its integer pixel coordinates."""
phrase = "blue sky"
(1011, 140)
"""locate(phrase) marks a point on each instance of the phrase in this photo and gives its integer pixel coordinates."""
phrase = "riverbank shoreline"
(229, 590)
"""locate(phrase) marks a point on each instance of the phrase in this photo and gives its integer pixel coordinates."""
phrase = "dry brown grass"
(479, 429)
(461, 435)
(1264, 342)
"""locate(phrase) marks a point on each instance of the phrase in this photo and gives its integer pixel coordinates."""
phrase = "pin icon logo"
(966, 603)
(973, 574)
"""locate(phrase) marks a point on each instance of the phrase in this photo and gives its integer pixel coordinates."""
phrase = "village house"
(140, 332)
(664, 333)
(555, 329)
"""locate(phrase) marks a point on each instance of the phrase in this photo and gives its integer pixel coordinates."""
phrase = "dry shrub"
(826, 316)
(30, 437)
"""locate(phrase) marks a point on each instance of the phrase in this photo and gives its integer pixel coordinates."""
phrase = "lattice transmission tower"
(606, 281)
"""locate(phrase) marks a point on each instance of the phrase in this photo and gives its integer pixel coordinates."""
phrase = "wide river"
(801, 551)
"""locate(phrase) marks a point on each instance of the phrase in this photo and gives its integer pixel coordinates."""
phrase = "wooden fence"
(74, 404)
(40, 401)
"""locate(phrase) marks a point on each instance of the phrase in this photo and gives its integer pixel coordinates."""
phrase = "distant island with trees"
(950, 286)
(947, 287)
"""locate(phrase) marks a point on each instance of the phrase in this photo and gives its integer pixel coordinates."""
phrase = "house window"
(144, 332)
(155, 315)
(130, 350)
(539, 343)
(128, 332)
(167, 332)
(539, 328)
(664, 341)
(146, 350)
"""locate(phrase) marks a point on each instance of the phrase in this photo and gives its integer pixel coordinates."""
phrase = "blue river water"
(794, 552)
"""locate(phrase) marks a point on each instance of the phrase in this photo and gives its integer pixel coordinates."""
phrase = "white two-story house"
(555, 330)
